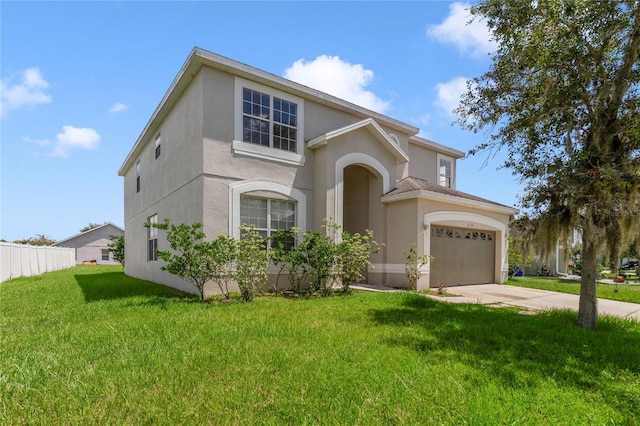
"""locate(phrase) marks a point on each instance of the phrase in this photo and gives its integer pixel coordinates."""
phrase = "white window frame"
(238, 188)
(152, 235)
(103, 253)
(158, 144)
(138, 167)
(263, 152)
(452, 178)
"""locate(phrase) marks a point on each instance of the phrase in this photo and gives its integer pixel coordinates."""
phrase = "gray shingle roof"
(410, 184)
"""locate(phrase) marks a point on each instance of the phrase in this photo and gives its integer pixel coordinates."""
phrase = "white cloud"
(118, 107)
(449, 94)
(473, 37)
(75, 138)
(339, 78)
(27, 93)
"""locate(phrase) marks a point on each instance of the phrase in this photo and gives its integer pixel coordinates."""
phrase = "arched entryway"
(361, 206)
(356, 196)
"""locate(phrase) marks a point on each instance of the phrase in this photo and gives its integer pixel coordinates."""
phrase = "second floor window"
(445, 172)
(158, 141)
(269, 121)
(138, 176)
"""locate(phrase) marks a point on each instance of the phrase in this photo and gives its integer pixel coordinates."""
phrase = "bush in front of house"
(320, 261)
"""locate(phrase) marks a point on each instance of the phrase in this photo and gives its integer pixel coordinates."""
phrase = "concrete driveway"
(537, 300)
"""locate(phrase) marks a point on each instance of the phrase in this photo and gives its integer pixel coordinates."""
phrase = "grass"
(90, 345)
(622, 292)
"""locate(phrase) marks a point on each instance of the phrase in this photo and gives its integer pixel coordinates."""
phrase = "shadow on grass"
(116, 285)
(519, 350)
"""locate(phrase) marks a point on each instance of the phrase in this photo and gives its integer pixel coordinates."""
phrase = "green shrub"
(413, 264)
(321, 260)
(251, 263)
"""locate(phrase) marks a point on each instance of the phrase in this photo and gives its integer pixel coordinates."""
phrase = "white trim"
(453, 170)
(266, 153)
(355, 158)
(238, 188)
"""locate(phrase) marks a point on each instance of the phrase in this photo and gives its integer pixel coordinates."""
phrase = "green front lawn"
(90, 346)
(622, 292)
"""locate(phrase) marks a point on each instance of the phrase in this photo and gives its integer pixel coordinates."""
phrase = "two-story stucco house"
(231, 144)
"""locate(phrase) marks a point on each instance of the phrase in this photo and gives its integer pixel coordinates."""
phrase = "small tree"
(224, 253)
(413, 265)
(193, 258)
(117, 247)
(251, 262)
(294, 260)
(353, 257)
(518, 253)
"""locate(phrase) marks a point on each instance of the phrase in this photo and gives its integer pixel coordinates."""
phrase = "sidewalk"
(537, 300)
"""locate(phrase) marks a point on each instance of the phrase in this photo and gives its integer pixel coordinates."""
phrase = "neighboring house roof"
(373, 128)
(411, 187)
(200, 57)
(66, 240)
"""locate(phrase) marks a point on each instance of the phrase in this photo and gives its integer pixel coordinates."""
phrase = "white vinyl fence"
(20, 260)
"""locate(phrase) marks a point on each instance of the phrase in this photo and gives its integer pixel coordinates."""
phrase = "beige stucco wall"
(402, 229)
(423, 163)
(180, 208)
(171, 186)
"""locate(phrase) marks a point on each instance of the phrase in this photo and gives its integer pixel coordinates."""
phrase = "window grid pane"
(444, 169)
(268, 215)
(257, 121)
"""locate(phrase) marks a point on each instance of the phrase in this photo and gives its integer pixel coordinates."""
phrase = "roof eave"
(437, 147)
(450, 199)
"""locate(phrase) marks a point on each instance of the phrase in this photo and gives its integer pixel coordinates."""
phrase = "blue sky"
(81, 79)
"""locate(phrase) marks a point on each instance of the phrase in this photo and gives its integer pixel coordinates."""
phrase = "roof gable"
(373, 128)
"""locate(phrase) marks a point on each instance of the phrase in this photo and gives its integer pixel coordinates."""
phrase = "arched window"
(268, 205)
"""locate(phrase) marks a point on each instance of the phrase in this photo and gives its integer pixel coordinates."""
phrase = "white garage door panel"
(462, 256)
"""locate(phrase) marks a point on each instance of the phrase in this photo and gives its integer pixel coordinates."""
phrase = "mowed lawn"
(89, 345)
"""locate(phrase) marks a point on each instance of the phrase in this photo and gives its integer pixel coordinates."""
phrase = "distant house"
(93, 244)
(230, 144)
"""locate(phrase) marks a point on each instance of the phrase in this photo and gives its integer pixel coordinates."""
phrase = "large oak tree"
(561, 97)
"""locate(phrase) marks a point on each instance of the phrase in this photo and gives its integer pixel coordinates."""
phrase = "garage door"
(462, 256)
